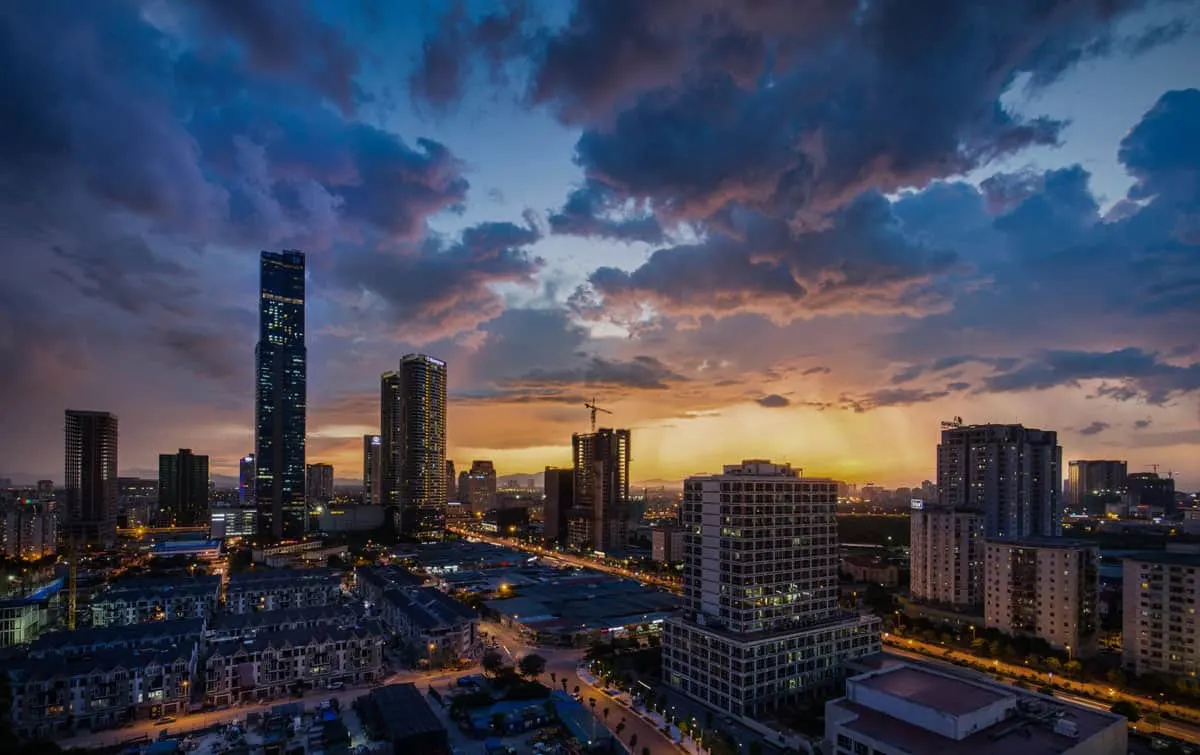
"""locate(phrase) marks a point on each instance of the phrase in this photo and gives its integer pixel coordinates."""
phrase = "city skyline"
(846, 266)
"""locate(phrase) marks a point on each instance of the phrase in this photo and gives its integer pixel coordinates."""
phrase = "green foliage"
(493, 663)
(1131, 711)
(532, 666)
(527, 691)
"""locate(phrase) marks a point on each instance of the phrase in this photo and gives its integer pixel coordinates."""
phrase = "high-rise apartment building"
(281, 398)
(183, 489)
(372, 469)
(602, 484)
(318, 482)
(413, 436)
(480, 492)
(28, 529)
(137, 502)
(1092, 483)
(1148, 490)
(1011, 473)
(451, 482)
(761, 625)
(90, 483)
(1161, 614)
(559, 487)
(947, 549)
(1044, 587)
(246, 484)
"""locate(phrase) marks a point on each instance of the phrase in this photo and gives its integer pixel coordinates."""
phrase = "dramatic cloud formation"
(863, 217)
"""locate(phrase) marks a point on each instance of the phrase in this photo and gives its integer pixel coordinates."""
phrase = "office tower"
(1161, 614)
(777, 610)
(559, 485)
(319, 483)
(183, 489)
(372, 469)
(480, 493)
(1045, 587)
(947, 557)
(1148, 490)
(91, 478)
(413, 436)
(602, 484)
(451, 482)
(1093, 484)
(246, 483)
(281, 396)
(1011, 473)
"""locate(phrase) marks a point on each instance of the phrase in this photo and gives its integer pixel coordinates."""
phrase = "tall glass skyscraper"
(413, 436)
(280, 397)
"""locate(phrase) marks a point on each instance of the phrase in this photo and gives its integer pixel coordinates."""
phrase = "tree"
(532, 666)
(1073, 667)
(564, 683)
(1153, 719)
(606, 716)
(756, 747)
(492, 662)
(1131, 711)
(577, 689)
(632, 742)
(1116, 677)
(498, 722)
(553, 678)
(1053, 665)
(645, 751)
(620, 727)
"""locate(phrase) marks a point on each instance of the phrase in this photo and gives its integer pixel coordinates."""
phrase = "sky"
(803, 230)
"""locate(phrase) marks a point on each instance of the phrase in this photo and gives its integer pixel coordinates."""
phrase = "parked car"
(165, 720)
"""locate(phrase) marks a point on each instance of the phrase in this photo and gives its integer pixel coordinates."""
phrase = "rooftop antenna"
(592, 405)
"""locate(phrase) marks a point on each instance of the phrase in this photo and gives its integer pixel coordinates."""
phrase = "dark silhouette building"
(319, 483)
(183, 489)
(451, 482)
(281, 397)
(1010, 473)
(413, 437)
(1151, 491)
(559, 487)
(601, 473)
(1091, 484)
(90, 485)
(372, 469)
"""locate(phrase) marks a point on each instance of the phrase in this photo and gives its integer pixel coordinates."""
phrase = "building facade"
(273, 665)
(666, 544)
(28, 529)
(90, 484)
(145, 600)
(1093, 483)
(559, 488)
(280, 589)
(1047, 588)
(479, 491)
(761, 625)
(372, 469)
(318, 482)
(232, 521)
(451, 482)
(1010, 473)
(247, 492)
(602, 484)
(1146, 490)
(183, 489)
(281, 396)
(413, 436)
(947, 557)
(1161, 616)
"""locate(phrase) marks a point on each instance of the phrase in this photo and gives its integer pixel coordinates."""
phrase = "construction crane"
(72, 583)
(1154, 467)
(592, 405)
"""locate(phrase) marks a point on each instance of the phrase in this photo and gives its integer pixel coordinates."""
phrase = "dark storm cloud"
(436, 290)
(640, 372)
(1139, 374)
(287, 39)
(888, 397)
(816, 371)
(440, 74)
(1095, 428)
(594, 211)
(1162, 151)
(861, 262)
(773, 401)
(1142, 424)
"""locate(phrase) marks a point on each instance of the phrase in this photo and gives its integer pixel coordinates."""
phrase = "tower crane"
(592, 405)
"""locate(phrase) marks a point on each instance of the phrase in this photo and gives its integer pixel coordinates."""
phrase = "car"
(165, 720)
(336, 685)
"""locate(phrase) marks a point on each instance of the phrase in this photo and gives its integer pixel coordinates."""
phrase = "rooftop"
(259, 578)
(403, 711)
(134, 635)
(1165, 557)
(943, 694)
(1057, 543)
(329, 614)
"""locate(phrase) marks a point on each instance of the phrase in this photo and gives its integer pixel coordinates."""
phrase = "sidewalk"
(686, 743)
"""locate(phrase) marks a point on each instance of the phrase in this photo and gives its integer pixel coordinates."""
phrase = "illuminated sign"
(375, 441)
(916, 504)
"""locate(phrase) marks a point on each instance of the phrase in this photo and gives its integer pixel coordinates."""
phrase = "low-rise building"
(1044, 587)
(28, 529)
(246, 625)
(140, 600)
(401, 716)
(871, 569)
(907, 708)
(277, 589)
(52, 695)
(1161, 613)
(85, 642)
(371, 582)
(433, 623)
(276, 664)
(23, 619)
